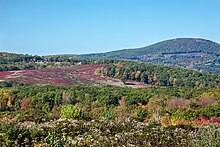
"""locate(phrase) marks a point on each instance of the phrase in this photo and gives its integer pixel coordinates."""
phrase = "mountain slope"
(192, 53)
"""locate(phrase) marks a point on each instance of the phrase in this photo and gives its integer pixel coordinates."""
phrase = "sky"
(45, 27)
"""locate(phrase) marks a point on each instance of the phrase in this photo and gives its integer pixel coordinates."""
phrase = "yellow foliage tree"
(5, 98)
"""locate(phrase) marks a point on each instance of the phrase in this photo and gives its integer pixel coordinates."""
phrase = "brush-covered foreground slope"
(192, 53)
(109, 116)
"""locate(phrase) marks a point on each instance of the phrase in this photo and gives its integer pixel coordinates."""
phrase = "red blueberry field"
(5, 74)
(64, 76)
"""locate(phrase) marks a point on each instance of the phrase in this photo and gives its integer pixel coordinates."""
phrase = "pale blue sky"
(86, 26)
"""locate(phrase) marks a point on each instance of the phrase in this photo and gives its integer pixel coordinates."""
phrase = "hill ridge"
(194, 53)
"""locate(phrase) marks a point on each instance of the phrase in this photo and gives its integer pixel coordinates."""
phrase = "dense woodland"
(179, 108)
(96, 102)
(160, 75)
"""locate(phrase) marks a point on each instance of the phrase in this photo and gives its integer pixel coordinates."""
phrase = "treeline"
(160, 75)
(9, 61)
(156, 103)
(11, 58)
(11, 83)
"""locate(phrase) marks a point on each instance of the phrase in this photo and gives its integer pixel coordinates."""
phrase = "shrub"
(141, 114)
(107, 113)
(177, 103)
(56, 112)
(70, 112)
(25, 103)
(207, 136)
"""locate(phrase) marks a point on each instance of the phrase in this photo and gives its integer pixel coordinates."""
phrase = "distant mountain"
(191, 53)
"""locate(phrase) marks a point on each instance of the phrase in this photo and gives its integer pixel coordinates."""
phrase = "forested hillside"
(192, 53)
(160, 75)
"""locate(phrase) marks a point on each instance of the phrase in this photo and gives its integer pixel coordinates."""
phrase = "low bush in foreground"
(70, 132)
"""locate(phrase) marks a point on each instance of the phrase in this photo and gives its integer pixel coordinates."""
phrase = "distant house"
(79, 63)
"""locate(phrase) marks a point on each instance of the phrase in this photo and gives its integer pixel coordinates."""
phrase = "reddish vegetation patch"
(67, 76)
(205, 101)
(5, 74)
(204, 121)
(63, 76)
(178, 103)
(87, 72)
(26, 102)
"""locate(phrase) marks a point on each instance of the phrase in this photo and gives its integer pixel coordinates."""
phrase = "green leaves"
(70, 112)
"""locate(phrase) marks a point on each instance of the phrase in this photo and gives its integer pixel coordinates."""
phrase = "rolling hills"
(191, 53)
(64, 100)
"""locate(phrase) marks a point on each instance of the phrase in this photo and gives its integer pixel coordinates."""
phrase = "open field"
(66, 76)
